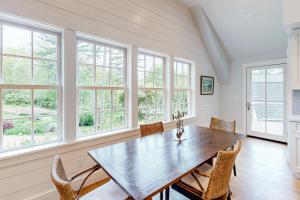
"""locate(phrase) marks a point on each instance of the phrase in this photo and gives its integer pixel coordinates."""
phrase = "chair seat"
(206, 168)
(203, 169)
(108, 191)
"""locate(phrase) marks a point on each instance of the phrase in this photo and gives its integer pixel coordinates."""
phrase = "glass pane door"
(265, 102)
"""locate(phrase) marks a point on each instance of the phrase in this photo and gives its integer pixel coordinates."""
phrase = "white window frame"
(189, 89)
(163, 89)
(33, 27)
(95, 41)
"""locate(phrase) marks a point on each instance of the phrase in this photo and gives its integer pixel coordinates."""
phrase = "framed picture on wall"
(207, 85)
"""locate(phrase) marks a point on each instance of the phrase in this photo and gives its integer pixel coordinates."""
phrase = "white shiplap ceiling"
(249, 29)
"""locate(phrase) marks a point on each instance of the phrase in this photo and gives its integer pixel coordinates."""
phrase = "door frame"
(245, 66)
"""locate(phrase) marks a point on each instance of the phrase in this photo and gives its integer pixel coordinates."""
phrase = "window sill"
(50, 150)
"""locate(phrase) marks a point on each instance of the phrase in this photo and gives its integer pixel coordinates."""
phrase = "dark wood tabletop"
(145, 166)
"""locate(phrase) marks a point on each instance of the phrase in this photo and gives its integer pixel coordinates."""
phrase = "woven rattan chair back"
(222, 125)
(149, 129)
(220, 176)
(59, 178)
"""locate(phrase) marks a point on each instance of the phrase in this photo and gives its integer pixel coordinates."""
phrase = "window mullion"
(69, 86)
(32, 115)
(133, 88)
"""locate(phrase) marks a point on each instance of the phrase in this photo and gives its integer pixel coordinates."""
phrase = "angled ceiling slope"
(248, 29)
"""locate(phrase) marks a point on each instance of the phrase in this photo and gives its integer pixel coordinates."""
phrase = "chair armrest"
(91, 170)
(94, 168)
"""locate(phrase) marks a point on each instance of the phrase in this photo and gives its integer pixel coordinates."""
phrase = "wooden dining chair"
(63, 184)
(213, 182)
(149, 129)
(222, 125)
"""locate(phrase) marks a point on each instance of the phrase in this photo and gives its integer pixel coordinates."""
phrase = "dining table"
(146, 166)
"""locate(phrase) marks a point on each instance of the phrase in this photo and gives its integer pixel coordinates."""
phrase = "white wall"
(160, 25)
(291, 14)
(232, 96)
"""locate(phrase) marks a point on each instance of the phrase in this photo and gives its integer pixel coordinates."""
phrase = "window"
(182, 88)
(101, 81)
(151, 88)
(29, 87)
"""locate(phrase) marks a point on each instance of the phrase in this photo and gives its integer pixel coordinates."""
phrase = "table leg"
(168, 193)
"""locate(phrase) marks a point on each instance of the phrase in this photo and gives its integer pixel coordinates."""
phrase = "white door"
(266, 102)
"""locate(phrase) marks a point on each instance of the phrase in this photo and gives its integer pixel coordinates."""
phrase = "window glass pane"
(87, 100)
(118, 100)
(149, 63)
(104, 121)
(147, 105)
(158, 67)
(116, 78)
(45, 102)
(104, 100)
(141, 77)
(44, 72)
(86, 75)
(141, 62)
(186, 70)
(118, 119)
(117, 57)
(85, 52)
(185, 82)
(86, 124)
(45, 129)
(16, 70)
(149, 80)
(44, 46)
(16, 104)
(102, 55)
(102, 76)
(17, 133)
(179, 69)
(16, 41)
(180, 101)
(158, 80)
(258, 116)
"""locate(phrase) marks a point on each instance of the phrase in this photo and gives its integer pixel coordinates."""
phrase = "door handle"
(248, 105)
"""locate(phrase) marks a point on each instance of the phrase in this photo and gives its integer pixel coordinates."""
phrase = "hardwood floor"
(262, 173)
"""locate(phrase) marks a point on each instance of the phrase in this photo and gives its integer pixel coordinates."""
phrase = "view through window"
(29, 87)
(151, 88)
(101, 80)
(182, 88)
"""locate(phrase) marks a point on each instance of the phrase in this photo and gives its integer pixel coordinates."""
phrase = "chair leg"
(161, 195)
(168, 193)
(234, 170)
(229, 194)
